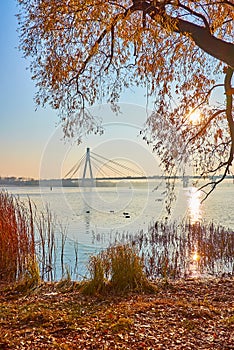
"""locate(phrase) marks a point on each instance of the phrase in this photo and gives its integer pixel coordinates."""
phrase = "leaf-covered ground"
(191, 314)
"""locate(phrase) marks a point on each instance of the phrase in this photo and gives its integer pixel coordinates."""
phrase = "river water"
(93, 217)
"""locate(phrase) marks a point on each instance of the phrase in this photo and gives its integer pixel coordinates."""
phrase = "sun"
(196, 256)
(195, 116)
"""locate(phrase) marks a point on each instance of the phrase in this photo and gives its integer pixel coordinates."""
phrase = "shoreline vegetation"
(170, 288)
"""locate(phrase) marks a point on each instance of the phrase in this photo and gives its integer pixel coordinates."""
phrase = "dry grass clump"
(117, 269)
(30, 278)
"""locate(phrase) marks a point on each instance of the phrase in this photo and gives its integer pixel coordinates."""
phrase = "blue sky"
(23, 131)
(27, 136)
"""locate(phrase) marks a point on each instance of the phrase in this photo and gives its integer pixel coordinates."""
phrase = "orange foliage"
(84, 51)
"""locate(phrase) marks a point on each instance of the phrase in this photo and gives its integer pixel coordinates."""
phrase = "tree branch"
(220, 49)
(196, 14)
(112, 47)
(228, 3)
(214, 184)
(205, 126)
(228, 163)
(229, 102)
(217, 48)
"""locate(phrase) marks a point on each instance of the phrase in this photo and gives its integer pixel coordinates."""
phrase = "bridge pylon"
(87, 181)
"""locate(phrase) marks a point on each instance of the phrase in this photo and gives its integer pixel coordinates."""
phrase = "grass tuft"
(30, 278)
(97, 268)
(123, 324)
(117, 269)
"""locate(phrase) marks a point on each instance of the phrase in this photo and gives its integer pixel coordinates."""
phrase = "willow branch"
(205, 126)
(214, 184)
(217, 48)
(196, 14)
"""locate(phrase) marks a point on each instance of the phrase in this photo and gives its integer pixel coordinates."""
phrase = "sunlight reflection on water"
(194, 264)
(194, 205)
(195, 215)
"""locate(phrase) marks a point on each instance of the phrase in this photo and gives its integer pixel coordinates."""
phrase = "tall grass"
(17, 244)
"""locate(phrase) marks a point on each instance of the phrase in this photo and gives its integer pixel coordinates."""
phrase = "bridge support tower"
(87, 181)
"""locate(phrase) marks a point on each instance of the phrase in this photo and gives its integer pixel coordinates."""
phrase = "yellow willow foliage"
(84, 51)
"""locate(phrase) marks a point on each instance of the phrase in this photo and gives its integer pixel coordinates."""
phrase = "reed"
(51, 239)
(182, 249)
(63, 231)
(17, 245)
(45, 223)
(27, 242)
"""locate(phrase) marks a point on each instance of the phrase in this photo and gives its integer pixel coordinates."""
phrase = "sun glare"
(195, 116)
(196, 256)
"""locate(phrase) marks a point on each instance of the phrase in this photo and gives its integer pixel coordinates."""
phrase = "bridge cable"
(75, 168)
(118, 164)
(105, 164)
(98, 168)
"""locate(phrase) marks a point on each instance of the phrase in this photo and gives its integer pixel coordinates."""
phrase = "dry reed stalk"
(17, 246)
(168, 249)
(46, 248)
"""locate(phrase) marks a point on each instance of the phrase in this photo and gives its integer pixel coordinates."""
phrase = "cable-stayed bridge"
(94, 166)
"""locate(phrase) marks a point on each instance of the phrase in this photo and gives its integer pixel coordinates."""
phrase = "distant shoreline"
(98, 182)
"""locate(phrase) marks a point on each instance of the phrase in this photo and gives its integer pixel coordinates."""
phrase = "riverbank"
(183, 314)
